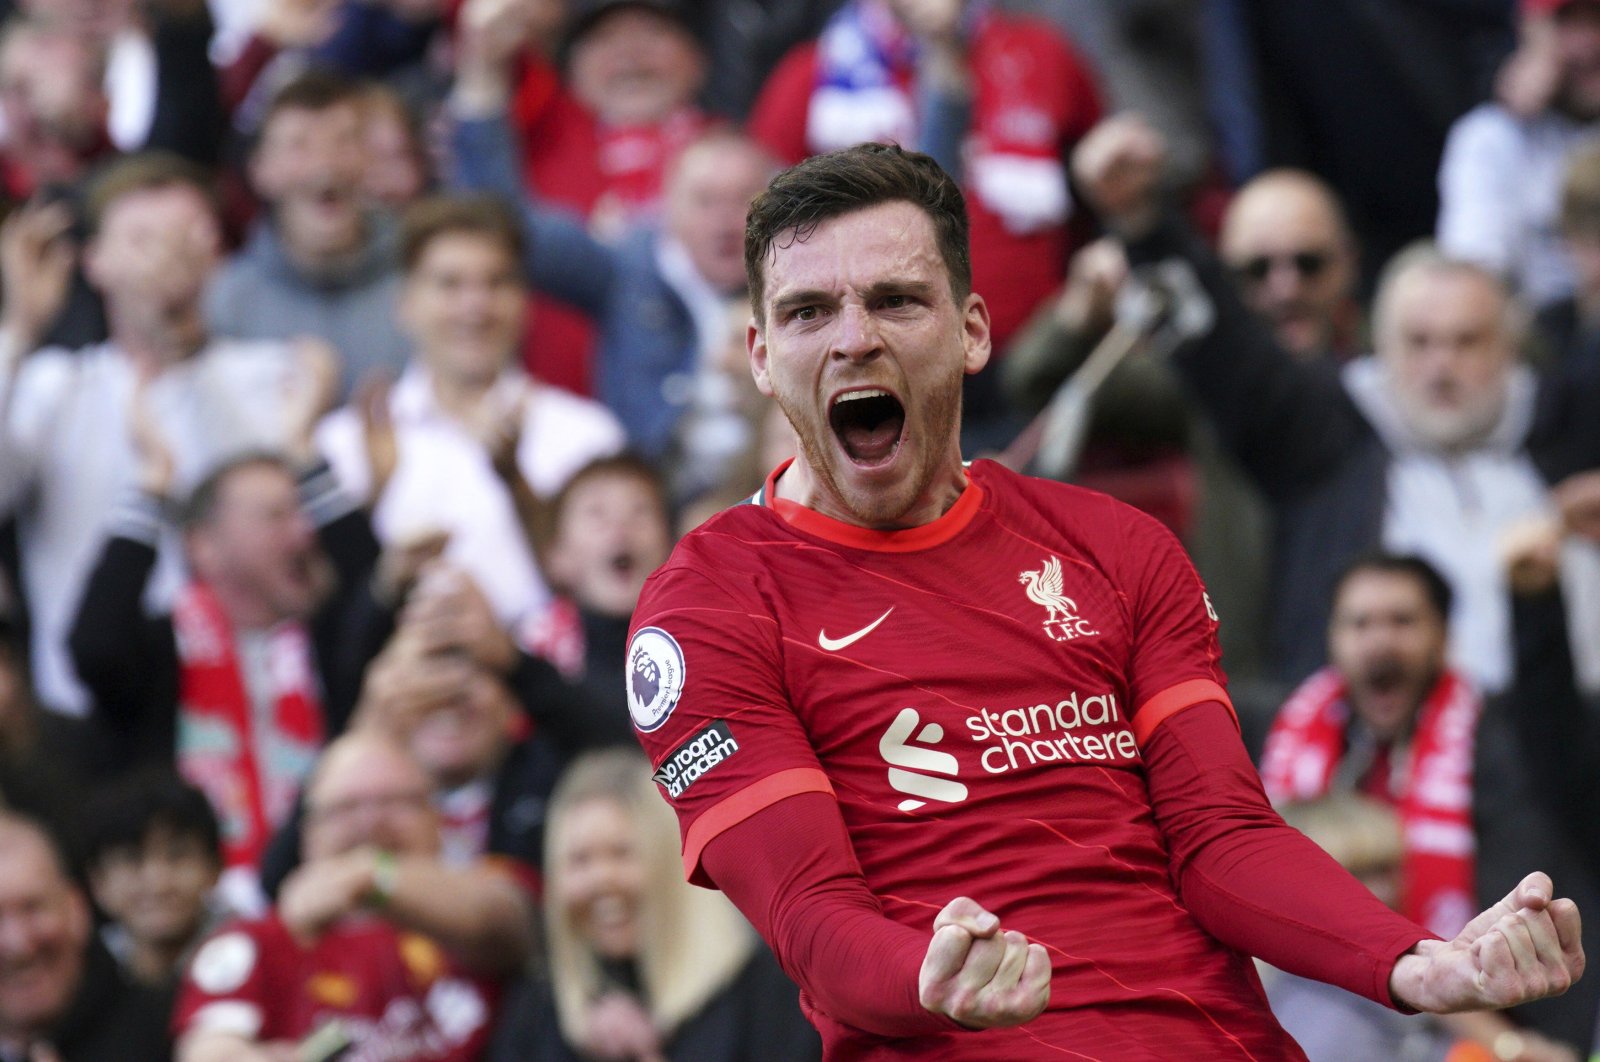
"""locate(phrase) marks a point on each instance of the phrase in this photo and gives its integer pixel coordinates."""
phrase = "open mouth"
(622, 563)
(868, 424)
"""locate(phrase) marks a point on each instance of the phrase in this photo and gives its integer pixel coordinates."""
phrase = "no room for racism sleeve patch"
(690, 761)
(655, 677)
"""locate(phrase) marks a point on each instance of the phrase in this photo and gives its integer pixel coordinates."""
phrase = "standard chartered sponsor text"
(1044, 733)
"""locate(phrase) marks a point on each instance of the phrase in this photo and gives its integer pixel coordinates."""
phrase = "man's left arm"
(1262, 887)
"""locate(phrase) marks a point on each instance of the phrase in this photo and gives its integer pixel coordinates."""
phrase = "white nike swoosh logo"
(833, 645)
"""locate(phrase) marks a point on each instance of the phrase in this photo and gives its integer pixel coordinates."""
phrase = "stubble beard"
(880, 507)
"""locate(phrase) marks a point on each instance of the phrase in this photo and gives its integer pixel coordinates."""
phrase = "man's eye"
(895, 302)
(806, 313)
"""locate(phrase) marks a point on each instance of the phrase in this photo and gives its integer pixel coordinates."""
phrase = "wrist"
(383, 875)
(479, 93)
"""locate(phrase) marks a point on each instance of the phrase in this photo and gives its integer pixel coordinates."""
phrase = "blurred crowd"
(360, 359)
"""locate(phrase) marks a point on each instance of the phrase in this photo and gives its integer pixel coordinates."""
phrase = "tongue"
(874, 444)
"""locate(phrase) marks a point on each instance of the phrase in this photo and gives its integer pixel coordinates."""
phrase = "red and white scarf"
(1434, 801)
(866, 65)
(250, 773)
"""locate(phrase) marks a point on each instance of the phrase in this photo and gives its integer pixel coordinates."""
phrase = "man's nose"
(856, 336)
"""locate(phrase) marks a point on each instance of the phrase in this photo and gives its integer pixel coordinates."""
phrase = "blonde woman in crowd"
(642, 966)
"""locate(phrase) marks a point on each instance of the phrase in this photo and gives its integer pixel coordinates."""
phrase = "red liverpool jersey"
(974, 692)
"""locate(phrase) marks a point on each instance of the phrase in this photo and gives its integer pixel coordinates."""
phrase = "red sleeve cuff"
(735, 808)
(1174, 699)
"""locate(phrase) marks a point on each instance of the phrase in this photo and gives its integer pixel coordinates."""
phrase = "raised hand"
(36, 260)
(448, 612)
(489, 34)
(980, 976)
(1118, 168)
(320, 893)
(298, 23)
(371, 401)
(1525, 947)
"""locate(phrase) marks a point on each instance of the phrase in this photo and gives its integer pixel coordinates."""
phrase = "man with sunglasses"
(1437, 444)
(1287, 242)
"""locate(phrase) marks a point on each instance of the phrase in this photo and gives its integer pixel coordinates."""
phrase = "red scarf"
(250, 774)
(1302, 756)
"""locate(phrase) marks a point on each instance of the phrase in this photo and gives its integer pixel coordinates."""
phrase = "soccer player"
(956, 741)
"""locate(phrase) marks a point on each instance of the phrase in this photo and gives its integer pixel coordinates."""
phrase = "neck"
(309, 257)
(459, 396)
(245, 611)
(156, 336)
(153, 962)
(800, 483)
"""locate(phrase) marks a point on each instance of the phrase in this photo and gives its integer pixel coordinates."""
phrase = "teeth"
(854, 395)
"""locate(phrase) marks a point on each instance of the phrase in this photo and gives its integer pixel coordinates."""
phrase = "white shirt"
(1500, 196)
(66, 458)
(443, 479)
(1453, 508)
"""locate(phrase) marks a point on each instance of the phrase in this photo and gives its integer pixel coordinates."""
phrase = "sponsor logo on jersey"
(1013, 739)
(1045, 587)
(655, 677)
(690, 761)
(833, 645)
(906, 746)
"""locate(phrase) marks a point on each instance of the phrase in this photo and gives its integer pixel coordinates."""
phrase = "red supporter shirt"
(396, 995)
(974, 693)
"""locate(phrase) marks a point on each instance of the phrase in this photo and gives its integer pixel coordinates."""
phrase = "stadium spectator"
(1286, 239)
(471, 430)
(491, 725)
(321, 261)
(659, 298)
(1380, 451)
(1570, 326)
(61, 994)
(241, 683)
(398, 170)
(622, 981)
(599, 133)
(65, 450)
(1388, 718)
(610, 527)
(160, 88)
(376, 944)
(1007, 90)
(54, 102)
(1500, 177)
(154, 853)
(1538, 764)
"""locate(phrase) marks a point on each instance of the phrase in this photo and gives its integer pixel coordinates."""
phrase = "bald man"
(387, 950)
(1286, 239)
(61, 994)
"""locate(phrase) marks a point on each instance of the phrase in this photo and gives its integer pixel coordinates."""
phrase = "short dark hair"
(124, 813)
(201, 505)
(1434, 586)
(842, 182)
(317, 89)
(144, 172)
(483, 215)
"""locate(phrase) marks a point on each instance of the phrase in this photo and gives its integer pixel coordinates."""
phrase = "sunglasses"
(1308, 264)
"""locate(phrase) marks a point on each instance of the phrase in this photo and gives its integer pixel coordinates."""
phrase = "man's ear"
(756, 341)
(976, 343)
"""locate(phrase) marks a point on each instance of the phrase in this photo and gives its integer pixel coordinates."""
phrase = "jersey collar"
(937, 533)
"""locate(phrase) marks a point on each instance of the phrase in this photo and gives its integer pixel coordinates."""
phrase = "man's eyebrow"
(893, 286)
(796, 299)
